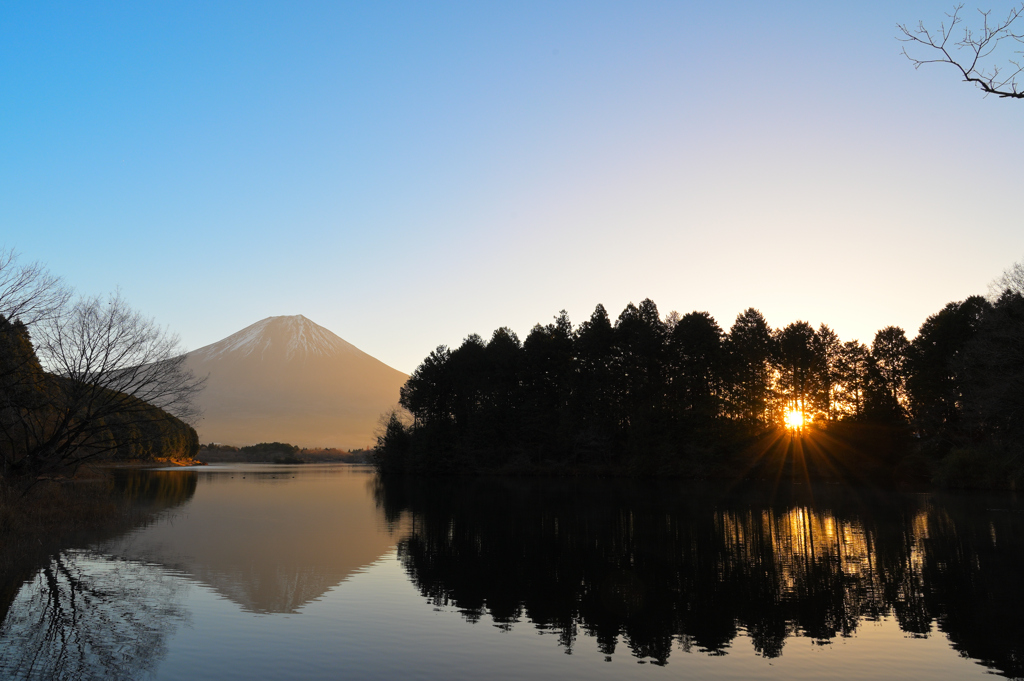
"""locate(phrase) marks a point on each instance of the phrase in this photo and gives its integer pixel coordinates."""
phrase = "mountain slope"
(288, 379)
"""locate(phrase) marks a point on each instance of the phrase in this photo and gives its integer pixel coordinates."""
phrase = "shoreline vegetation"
(84, 379)
(53, 424)
(89, 387)
(280, 452)
(680, 397)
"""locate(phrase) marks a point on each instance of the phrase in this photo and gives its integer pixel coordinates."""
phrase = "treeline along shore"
(679, 396)
(280, 452)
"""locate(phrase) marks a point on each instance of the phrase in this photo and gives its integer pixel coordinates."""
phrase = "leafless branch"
(108, 345)
(106, 366)
(1011, 281)
(29, 292)
(977, 55)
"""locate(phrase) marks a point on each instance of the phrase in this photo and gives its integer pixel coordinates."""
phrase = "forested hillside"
(50, 424)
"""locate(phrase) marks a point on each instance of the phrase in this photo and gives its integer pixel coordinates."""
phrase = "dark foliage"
(682, 397)
(52, 424)
(262, 448)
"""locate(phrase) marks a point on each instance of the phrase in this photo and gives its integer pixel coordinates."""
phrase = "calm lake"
(323, 572)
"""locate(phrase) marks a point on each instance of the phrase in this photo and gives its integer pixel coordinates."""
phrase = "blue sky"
(408, 173)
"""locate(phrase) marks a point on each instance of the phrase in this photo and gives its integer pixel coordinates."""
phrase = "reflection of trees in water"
(101, 511)
(672, 568)
(154, 491)
(973, 573)
(86, 616)
(72, 614)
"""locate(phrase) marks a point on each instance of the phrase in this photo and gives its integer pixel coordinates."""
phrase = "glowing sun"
(794, 419)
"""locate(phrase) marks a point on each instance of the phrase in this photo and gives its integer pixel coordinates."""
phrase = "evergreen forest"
(680, 396)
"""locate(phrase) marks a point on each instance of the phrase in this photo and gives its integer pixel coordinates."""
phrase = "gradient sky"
(408, 173)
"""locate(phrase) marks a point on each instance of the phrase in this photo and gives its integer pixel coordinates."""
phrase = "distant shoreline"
(205, 456)
(140, 464)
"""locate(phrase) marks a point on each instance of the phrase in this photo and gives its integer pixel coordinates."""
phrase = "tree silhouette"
(994, 360)
(645, 396)
(801, 364)
(751, 349)
(468, 364)
(828, 350)
(936, 380)
(429, 392)
(594, 386)
(501, 394)
(547, 384)
(640, 371)
(887, 387)
(853, 373)
(697, 363)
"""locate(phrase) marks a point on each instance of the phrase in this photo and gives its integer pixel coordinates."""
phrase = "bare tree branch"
(109, 346)
(1011, 281)
(980, 55)
(29, 292)
(102, 371)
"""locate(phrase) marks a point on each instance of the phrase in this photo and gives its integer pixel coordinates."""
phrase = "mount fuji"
(287, 379)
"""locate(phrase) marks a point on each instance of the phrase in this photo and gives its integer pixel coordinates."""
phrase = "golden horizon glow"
(794, 419)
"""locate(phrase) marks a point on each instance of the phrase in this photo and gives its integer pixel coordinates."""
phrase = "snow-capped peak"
(295, 336)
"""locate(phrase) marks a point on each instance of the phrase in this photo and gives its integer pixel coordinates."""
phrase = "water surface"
(323, 572)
